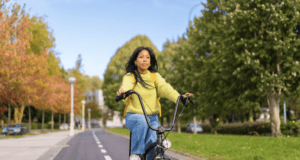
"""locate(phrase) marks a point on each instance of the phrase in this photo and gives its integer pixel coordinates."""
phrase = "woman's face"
(143, 61)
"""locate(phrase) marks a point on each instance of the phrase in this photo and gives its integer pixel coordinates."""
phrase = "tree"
(20, 72)
(253, 44)
(171, 69)
(41, 38)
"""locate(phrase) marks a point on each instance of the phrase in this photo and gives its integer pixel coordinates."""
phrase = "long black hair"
(132, 68)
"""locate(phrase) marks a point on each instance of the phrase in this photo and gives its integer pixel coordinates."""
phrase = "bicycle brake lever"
(192, 102)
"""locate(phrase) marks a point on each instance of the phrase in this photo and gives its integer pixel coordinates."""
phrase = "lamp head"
(72, 80)
(83, 102)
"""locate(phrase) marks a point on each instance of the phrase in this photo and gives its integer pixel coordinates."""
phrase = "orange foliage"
(24, 78)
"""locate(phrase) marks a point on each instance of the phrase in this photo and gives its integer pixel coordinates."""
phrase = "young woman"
(140, 64)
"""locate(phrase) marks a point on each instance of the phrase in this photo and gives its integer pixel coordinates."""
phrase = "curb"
(55, 150)
(172, 151)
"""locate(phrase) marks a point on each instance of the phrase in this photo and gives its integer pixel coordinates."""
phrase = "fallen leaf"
(261, 149)
(248, 147)
(243, 147)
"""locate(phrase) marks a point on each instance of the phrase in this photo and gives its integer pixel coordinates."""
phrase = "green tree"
(41, 36)
(253, 52)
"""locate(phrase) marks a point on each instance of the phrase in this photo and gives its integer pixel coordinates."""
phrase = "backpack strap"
(153, 77)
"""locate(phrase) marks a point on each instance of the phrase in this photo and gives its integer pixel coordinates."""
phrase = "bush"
(39, 126)
(251, 128)
(290, 128)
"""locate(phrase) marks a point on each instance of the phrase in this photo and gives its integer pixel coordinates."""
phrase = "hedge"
(250, 128)
(39, 126)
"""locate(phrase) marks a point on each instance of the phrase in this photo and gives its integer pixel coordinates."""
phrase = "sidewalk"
(43, 146)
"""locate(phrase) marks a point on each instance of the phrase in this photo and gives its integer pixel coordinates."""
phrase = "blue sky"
(97, 28)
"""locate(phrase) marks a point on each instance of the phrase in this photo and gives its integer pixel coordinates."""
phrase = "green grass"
(232, 147)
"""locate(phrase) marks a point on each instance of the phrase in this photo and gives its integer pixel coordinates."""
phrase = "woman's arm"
(165, 90)
(127, 84)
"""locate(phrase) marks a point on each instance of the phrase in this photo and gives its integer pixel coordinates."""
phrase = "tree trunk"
(52, 121)
(241, 116)
(29, 114)
(213, 123)
(288, 114)
(194, 121)
(195, 124)
(8, 118)
(18, 115)
(254, 115)
(168, 121)
(161, 121)
(64, 118)
(273, 104)
(178, 126)
(43, 117)
(59, 121)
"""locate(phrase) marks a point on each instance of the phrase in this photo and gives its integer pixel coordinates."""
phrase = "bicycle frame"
(160, 149)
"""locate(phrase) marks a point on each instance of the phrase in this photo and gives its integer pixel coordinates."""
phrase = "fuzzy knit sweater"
(149, 96)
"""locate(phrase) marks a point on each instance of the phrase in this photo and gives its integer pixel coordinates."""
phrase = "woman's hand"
(120, 91)
(189, 94)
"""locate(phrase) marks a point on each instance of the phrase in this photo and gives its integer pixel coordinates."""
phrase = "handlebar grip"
(119, 97)
(123, 95)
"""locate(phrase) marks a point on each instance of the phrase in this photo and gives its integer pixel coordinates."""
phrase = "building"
(99, 98)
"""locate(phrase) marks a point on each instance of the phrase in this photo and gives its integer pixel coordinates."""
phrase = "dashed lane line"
(107, 158)
(103, 150)
(100, 146)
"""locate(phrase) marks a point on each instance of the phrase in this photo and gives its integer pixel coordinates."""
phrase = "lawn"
(232, 147)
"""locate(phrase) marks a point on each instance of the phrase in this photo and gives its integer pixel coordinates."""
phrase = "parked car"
(15, 128)
(64, 126)
(190, 128)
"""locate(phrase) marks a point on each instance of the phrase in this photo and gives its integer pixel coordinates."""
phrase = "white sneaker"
(134, 157)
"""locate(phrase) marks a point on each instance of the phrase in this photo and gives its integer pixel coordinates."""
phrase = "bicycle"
(160, 144)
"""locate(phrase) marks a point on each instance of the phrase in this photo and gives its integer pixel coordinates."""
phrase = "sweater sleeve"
(127, 83)
(165, 90)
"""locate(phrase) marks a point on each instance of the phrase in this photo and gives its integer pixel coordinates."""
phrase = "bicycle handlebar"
(129, 92)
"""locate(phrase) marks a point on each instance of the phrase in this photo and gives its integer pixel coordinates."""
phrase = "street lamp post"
(82, 121)
(72, 80)
(89, 110)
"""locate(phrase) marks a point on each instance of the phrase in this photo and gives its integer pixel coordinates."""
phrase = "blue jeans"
(142, 135)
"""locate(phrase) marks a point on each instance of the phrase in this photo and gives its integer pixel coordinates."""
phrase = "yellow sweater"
(165, 90)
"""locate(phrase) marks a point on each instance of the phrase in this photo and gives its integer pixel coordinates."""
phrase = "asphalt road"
(96, 145)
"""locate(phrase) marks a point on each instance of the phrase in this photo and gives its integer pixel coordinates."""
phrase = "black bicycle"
(161, 144)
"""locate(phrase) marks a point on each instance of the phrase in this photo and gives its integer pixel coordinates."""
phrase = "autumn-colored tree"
(21, 73)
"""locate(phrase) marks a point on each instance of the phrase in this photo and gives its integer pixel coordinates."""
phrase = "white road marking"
(100, 146)
(107, 158)
(103, 150)
(98, 142)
